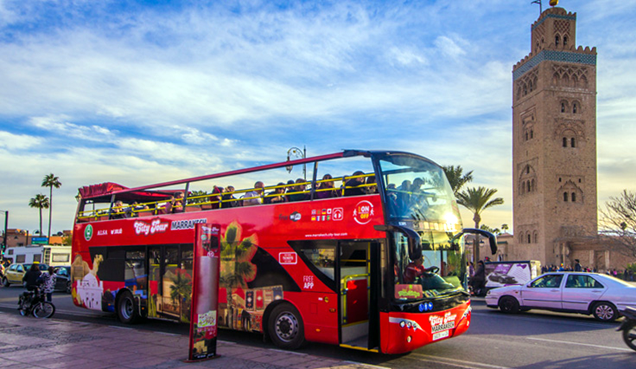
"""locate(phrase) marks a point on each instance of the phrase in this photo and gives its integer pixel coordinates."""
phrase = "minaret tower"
(554, 141)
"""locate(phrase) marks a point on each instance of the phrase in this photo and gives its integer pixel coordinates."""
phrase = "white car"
(572, 292)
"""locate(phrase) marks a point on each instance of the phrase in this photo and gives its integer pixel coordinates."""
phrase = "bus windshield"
(417, 190)
(439, 270)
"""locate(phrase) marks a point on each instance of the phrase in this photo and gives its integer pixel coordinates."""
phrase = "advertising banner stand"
(205, 292)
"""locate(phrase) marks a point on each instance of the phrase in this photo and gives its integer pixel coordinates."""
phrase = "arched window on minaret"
(556, 40)
(565, 142)
(575, 107)
(535, 237)
(526, 135)
(565, 196)
(529, 240)
(572, 142)
(565, 41)
(562, 107)
(531, 134)
(521, 237)
(573, 197)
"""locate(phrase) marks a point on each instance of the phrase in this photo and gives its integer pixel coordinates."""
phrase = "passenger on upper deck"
(326, 189)
(229, 201)
(118, 211)
(298, 192)
(215, 199)
(254, 197)
(353, 185)
(371, 186)
(176, 203)
(276, 196)
(289, 188)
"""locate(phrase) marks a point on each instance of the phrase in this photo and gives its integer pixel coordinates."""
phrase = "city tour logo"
(88, 232)
(363, 212)
(156, 226)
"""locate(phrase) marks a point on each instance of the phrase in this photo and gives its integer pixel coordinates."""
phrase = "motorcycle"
(629, 327)
(33, 302)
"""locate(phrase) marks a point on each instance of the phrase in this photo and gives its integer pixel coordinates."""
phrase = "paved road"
(494, 340)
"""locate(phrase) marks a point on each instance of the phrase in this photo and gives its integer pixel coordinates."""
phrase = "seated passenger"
(299, 191)
(352, 187)
(254, 197)
(326, 189)
(229, 201)
(289, 188)
(216, 198)
(276, 196)
(132, 210)
(371, 186)
(118, 211)
(176, 203)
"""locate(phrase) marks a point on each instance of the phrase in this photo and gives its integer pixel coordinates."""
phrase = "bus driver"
(416, 270)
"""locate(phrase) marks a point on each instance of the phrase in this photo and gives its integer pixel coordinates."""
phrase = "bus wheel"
(127, 309)
(286, 327)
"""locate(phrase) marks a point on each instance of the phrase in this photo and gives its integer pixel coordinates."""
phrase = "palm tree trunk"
(40, 222)
(477, 219)
(50, 212)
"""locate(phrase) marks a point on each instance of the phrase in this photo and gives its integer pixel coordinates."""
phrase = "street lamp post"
(296, 153)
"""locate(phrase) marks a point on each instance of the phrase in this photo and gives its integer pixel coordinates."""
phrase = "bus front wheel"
(286, 328)
(127, 309)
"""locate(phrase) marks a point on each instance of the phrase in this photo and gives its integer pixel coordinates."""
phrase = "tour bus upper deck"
(356, 175)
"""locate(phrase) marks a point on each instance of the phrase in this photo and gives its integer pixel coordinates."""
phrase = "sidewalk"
(26, 342)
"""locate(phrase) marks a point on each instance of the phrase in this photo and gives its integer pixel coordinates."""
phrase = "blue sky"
(144, 92)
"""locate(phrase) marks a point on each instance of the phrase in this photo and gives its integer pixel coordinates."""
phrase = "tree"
(495, 231)
(618, 220)
(40, 202)
(504, 227)
(51, 181)
(456, 178)
(478, 200)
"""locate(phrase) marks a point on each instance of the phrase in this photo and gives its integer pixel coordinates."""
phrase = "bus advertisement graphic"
(205, 292)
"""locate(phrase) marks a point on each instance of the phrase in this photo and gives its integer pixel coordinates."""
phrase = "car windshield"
(417, 190)
(42, 267)
(440, 270)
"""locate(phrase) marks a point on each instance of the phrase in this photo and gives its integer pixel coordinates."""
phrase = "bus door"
(358, 268)
(170, 282)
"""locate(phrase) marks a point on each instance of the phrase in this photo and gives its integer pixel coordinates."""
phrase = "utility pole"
(6, 224)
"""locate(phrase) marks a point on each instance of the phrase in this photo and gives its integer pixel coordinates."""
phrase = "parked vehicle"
(15, 272)
(63, 279)
(629, 327)
(602, 295)
(33, 302)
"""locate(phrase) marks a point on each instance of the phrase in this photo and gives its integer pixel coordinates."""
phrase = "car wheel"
(604, 311)
(127, 309)
(5, 282)
(286, 328)
(509, 305)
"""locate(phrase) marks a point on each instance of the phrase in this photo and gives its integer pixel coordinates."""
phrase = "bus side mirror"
(491, 237)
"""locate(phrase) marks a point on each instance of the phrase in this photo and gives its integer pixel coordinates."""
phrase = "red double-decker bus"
(363, 250)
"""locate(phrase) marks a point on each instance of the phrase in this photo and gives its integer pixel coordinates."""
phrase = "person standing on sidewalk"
(49, 281)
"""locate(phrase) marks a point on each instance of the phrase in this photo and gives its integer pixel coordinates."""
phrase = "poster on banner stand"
(205, 292)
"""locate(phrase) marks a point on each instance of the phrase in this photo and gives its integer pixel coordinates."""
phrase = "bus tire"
(286, 328)
(127, 309)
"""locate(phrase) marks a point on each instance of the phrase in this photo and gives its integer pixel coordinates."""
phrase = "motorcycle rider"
(31, 277)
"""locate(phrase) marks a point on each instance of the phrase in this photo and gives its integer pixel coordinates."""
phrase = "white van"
(45, 254)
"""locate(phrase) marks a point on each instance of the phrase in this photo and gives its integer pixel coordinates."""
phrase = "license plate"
(440, 335)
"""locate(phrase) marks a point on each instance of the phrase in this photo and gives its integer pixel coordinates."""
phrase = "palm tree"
(39, 202)
(455, 177)
(478, 200)
(51, 181)
(181, 291)
(236, 263)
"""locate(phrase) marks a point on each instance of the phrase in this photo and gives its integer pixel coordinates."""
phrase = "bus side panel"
(320, 315)
(405, 332)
